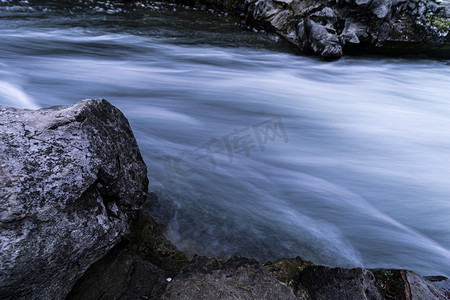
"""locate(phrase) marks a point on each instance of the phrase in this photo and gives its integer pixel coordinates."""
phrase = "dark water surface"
(253, 149)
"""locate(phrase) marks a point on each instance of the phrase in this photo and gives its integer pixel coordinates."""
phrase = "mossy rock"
(442, 24)
(393, 283)
(287, 271)
(147, 240)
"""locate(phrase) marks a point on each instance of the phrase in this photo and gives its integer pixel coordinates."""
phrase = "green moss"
(382, 276)
(441, 24)
(393, 283)
(288, 270)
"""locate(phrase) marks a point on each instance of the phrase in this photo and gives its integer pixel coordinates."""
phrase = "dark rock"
(306, 7)
(147, 240)
(393, 283)
(281, 21)
(403, 284)
(373, 26)
(353, 32)
(236, 278)
(137, 268)
(362, 2)
(331, 51)
(383, 33)
(324, 40)
(441, 282)
(411, 5)
(380, 8)
(422, 288)
(121, 274)
(361, 284)
(73, 178)
(302, 35)
(432, 6)
(421, 9)
(325, 283)
(264, 9)
(326, 16)
(287, 271)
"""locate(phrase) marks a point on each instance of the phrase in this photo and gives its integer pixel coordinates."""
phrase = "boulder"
(72, 180)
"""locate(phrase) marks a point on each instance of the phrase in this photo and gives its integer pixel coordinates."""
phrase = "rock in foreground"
(236, 278)
(72, 180)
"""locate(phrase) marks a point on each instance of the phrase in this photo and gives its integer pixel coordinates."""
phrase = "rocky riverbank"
(73, 185)
(147, 266)
(334, 28)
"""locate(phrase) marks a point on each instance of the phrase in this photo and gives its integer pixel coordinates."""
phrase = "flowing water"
(253, 149)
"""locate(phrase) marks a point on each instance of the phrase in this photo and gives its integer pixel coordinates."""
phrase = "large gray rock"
(72, 178)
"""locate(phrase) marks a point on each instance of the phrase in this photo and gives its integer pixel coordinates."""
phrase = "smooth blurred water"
(354, 163)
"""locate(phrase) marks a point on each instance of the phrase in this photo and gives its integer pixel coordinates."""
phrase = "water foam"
(13, 95)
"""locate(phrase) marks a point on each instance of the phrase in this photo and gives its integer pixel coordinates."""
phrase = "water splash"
(13, 95)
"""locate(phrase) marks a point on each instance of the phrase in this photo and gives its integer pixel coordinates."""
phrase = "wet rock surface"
(148, 242)
(337, 283)
(287, 271)
(404, 284)
(441, 282)
(236, 278)
(72, 180)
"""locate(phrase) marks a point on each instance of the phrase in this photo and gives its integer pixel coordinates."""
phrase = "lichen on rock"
(73, 179)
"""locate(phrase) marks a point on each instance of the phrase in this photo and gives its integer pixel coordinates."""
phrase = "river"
(253, 149)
